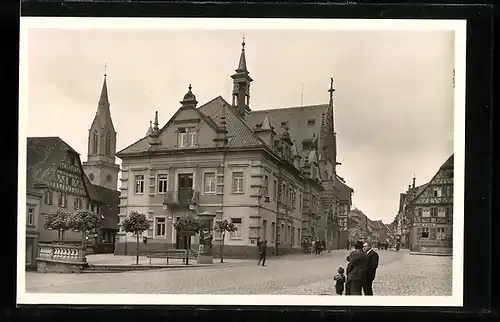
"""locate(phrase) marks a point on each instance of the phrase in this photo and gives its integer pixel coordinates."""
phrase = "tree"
(136, 223)
(223, 226)
(84, 221)
(58, 220)
(188, 223)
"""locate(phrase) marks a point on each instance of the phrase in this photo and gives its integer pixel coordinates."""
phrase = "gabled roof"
(296, 118)
(44, 155)
(344, 190)
(420, 189)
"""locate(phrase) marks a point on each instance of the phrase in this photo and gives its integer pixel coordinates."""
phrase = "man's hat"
(358, 244)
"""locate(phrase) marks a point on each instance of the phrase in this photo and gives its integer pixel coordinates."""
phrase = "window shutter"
(419, 233)
(432, 233)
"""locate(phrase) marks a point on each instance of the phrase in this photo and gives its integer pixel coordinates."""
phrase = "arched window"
(95, 142)
(108, 144)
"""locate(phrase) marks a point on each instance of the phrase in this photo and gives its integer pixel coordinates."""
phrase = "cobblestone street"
(399, 274)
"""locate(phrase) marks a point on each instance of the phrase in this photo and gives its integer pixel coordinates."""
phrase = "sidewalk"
(122, 260)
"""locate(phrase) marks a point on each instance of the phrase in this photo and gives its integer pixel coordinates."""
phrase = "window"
(441, 234)
(182, 138)
(108, 144)
(437, 192)
(237, 182)
(236, 234)
(311, 122)
(275, 190)
(425, 233)
(426, 212)
(160, 227)
(139, 184)
(264, 229)
(300, 202)
(209, 182)
(70, 181)
(162, 183)
(278, 233)
(266, 183)
(186, 137)
(299, 240)
(292, 236)
(433, 212)
(294, 198)
(30, 217)
(62, 200)
(441, 212)
(95, 142)
(450, 174)
(78, 203)
(49, 197)
(273, 229)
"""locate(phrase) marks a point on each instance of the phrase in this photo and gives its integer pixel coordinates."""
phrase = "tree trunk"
(83, 237)
(62, 236)
(59, 236)
(137, 255)
(222, 247)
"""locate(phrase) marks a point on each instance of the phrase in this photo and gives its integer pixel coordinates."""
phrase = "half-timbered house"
(431, 213)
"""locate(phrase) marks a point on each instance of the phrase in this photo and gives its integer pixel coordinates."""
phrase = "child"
(340, 279)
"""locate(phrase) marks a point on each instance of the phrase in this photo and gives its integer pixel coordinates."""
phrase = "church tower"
(241, 85)
(100, 167)
(328, 137)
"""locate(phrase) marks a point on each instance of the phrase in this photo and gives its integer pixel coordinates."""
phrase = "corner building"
(271, 172)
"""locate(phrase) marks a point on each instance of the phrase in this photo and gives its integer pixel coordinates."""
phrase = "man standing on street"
(356, 270)
(262, 253)
(371, 268)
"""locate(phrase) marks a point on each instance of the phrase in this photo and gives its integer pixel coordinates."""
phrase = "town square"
(266, 163)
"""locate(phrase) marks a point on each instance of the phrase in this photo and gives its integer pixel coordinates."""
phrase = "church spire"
(242, 66)
(241, 85)
(103, 105)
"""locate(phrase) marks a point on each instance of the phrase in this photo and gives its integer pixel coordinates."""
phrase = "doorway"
(185, 188)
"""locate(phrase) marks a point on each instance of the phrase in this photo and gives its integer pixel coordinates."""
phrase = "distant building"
(271, 172)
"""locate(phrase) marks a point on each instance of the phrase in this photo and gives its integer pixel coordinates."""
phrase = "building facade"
(33, 199)
(431, 213)
(266, 171)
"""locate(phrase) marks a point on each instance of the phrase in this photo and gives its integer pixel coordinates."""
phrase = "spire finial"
(105, 68)
(156, 119)
(190, 87)
(243, 43)
(331, 90)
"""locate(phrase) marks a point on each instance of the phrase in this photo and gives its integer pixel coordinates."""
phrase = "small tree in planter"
(188, 225)
(136, 223)
(58, 220)
(223, 226)
(84, 221)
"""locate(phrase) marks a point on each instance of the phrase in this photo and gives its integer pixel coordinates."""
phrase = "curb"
(106, 268)
(431, 254)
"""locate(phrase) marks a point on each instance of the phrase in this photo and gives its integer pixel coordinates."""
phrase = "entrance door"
(183, 242)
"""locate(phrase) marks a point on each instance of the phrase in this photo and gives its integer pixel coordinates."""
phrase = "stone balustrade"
(61, 258)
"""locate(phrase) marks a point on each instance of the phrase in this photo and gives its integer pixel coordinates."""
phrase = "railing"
(62, 253)
(183, 198)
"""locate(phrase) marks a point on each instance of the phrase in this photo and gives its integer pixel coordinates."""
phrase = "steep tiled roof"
(239, 132)
(448, 163)
(44, 155)
(109, 207)
(296, 118)
(344, 190)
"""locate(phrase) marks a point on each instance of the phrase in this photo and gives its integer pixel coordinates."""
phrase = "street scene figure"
(262, 253)
(371, 268)
(356, 270)
(339, 281)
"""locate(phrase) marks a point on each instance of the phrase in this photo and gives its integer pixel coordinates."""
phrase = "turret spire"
(241, 85)
(242, 66)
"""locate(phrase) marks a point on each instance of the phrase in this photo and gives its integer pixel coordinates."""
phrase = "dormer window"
(186, 137)
(311, 122)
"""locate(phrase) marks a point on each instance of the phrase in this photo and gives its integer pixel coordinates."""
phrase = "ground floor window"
(425, 233)
(273, 231)
(160, 227)
(441, 233)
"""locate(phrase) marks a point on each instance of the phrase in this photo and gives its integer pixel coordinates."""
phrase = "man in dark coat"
(371, 268)
(356, 270)
(262, 252)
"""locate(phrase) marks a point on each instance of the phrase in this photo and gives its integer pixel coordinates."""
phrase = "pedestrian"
(371, 268)
(313, 247)
(356, 270)
(340, 281)
(262, 253)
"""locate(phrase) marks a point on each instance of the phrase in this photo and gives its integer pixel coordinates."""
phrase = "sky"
(393, 100)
